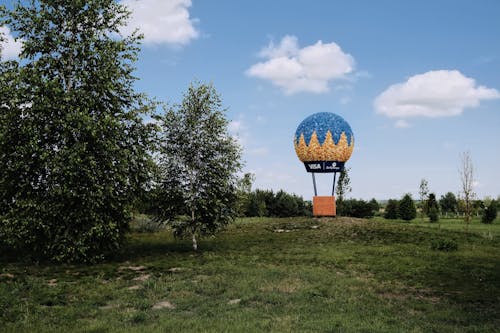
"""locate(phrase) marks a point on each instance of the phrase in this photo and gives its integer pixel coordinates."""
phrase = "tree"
(391, 209)
(343, 187)
(374, 205)
(490, 213)
(432, 208)
(406, 209)
(198, 162)
(448, 203)
(73, 146)
(286, 204)
(244, 186)
(424, 192)
(357, 208)
(466, 171)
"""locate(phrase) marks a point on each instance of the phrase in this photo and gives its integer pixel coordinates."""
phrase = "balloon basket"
(324, 206)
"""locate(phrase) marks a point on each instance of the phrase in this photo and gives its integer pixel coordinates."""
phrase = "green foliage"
(391, 209)
(432, 208)
(256, 204)
(143, 223)
(423, 191)
(490, 213)
(343, 185)
(244, 190)
(433, 214)
(355, 208)
(449, 203)
(444, 244)
(406, 208)
(375, 206)
(73, 146)
(198, 162)
(266, 203)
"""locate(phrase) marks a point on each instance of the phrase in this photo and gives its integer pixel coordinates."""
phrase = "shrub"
(490, 213)
(444, 245)
(433, 214)
(391, 209)
(355, 208)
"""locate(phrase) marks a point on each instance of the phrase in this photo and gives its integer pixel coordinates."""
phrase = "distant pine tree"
(407, 210)
(391, 210)
(432, 208)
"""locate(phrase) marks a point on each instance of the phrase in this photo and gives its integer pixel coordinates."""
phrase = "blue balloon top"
(322, 122)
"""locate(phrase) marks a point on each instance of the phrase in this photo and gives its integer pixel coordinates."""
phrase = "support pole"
(314, 184)
(334, 181)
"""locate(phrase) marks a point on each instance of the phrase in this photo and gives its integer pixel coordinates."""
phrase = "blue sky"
(418, 81)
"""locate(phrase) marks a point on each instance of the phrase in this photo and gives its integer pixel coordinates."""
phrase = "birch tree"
(198, 162)
(466, 171)
(73, 146)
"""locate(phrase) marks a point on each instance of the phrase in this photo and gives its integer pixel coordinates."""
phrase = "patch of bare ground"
(344, 220)
(163, 305)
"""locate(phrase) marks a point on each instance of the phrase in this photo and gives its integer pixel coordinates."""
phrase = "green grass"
(329, 275)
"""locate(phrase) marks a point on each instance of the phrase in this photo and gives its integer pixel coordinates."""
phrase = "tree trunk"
(195, 243)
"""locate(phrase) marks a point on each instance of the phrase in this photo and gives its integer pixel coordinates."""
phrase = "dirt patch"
(135, 287)
(142, 277)
(7, 275)
(163, 305)
(132, 268)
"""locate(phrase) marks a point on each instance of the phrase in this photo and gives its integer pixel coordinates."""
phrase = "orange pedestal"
(324, 206)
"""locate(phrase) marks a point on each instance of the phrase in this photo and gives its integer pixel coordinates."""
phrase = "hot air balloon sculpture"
(324, 142)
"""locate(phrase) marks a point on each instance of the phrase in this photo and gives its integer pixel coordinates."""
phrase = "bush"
(490, 213)
(391, 209)
(433, 214)
(355, 208)
(406, 209)
(444, 245)
(266, 203)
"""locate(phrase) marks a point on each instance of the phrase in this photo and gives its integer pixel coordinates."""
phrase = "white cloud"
(401, 123)
(307, 69)
(10, 47)
(433, 94)
(161, 21)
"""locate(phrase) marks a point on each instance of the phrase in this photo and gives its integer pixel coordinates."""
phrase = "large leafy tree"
(448, 203)
(73, 146)
(198, 164)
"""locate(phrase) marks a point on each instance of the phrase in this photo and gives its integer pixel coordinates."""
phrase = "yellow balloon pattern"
(328, 151)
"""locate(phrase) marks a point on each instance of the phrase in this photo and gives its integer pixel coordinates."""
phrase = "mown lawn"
(271, 275)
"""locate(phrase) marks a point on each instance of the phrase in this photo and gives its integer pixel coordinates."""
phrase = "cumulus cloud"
(161, 21)
(10, 47)
(307, 69)
(433, 94)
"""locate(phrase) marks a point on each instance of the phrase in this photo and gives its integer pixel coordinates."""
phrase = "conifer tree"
(406, 208)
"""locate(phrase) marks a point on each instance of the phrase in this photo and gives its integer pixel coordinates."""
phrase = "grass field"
(271, 275)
